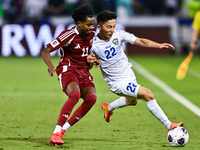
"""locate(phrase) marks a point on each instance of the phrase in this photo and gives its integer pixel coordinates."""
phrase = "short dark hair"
(106, 15)
(81, 13)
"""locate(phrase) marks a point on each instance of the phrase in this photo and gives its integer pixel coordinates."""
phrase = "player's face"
(85, 28)
(107, 29)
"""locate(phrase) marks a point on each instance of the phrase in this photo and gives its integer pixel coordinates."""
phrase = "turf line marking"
(171, 92)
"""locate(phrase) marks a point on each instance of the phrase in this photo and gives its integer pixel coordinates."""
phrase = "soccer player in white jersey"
(117, 72)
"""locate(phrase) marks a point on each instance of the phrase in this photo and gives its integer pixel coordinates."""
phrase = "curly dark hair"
(81, 13)
(106, 15)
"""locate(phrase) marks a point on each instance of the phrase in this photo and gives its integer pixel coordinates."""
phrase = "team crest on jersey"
(115, 41)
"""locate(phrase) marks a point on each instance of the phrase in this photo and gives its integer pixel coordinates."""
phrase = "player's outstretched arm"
(47, 59)
(148, 43)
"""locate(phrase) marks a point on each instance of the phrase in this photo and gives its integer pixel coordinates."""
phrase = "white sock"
(155, 109)
(66, 126)
(120, 102)
(57, 129)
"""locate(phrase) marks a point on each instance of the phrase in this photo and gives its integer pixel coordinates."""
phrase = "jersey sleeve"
(64, 38)
(126, 36)
(92, 50)
(56, 43)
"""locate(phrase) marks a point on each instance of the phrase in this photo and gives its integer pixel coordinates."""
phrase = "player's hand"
(91, 59)
(51, 71)
(166, 46)
(97, 63)
(193, 46)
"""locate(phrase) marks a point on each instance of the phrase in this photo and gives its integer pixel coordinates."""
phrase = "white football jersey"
(114, 63)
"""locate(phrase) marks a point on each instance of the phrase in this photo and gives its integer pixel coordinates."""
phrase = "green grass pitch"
(31, 102)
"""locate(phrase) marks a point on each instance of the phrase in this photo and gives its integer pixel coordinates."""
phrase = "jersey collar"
(101, 39)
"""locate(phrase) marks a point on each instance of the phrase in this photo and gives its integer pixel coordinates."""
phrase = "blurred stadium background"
(26, 26)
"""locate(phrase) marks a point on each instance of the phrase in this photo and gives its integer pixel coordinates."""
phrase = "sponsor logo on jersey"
(115, 41)
(77, 46)
(108, 46)
(54, 43)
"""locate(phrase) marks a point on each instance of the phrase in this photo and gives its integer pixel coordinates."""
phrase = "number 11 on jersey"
(85, 52)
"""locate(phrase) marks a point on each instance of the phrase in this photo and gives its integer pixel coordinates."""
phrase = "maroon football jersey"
(73, 47)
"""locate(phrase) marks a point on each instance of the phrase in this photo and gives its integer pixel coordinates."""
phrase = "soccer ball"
(178, 136)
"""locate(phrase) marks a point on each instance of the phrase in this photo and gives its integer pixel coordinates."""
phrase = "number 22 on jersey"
(110, 53)
(131, 87)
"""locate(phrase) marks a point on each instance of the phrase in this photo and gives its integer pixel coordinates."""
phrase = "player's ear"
(79, 23)
(99, 27)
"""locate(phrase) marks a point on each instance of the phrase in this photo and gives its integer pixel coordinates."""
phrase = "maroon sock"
(66, 110)
(89, 101)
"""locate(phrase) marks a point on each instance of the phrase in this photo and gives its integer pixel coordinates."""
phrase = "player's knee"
(93, 99)
(149, 95)
(90, 99)
(146, 95)
(75, 95)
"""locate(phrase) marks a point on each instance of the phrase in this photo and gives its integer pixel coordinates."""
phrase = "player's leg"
(88, 93)
(131, 101)
(89, 97)
(121, 102)
(74, 95)
(147, 96)
(127, 89)
(70, 86)
(118, 103)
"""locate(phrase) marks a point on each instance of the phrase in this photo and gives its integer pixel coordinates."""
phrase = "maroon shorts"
(81, 76)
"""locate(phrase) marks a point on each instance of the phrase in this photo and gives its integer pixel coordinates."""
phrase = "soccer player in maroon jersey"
(73, 70)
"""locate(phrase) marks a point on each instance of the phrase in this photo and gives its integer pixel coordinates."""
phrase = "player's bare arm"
(92, 60)
(148, 43)
(193, 44)
(47, 59)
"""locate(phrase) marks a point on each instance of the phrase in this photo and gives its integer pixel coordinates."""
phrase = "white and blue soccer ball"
(178, 136)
